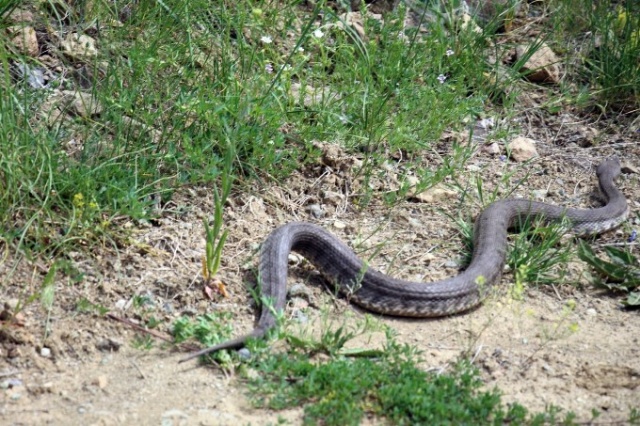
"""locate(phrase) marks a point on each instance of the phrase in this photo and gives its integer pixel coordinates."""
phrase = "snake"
(382, 294)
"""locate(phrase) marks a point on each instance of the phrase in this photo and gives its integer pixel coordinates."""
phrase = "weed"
(208, 329)
(621, 273)
(609, 63)
(386, 384)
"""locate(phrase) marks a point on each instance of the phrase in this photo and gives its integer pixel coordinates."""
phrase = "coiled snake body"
(380, 293)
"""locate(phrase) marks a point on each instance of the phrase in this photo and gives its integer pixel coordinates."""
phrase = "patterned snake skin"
(380, 293)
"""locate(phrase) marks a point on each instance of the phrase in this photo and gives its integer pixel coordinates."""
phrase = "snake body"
(380, 293)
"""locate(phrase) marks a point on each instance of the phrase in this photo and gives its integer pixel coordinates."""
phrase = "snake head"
(609, 168)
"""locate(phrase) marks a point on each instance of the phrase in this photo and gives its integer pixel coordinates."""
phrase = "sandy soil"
(536, 350)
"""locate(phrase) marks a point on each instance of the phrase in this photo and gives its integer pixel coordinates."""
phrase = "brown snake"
(380, 293)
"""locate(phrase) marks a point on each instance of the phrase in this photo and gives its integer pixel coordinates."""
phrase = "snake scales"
(385, 295)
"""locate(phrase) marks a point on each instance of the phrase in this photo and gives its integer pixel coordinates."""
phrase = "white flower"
(450, 52)
(300, 49)
(268, 68)
(442, 78)
(266, 39)
(318, 33)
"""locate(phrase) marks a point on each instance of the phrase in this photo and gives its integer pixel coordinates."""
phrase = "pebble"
(108, 345)
(300, 317)
(244, 354)
(45, 352)
(316, 211)
(451, 264)
(300, 290)
(540, 194)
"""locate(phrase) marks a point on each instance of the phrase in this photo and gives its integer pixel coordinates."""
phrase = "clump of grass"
(209, 329)
(621, 273)
(611, 47)
(385, 385)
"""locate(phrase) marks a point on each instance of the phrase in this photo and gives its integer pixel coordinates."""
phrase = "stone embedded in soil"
(25, 40)
(109, 345)
(101, 381)
(522, 149)
(79, 46)
(543, 65)
(316, 211)
(300, 290)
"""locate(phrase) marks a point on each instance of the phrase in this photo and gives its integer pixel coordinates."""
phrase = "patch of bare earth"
(87, 370)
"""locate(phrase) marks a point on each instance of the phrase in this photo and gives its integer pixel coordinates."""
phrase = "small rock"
(108, 345)
(10, 383)
(45, 352)
(316, 211)
(542, 66)
(300, 290)
(451, 264)
(592, 312)
(83, 104)
(101, 382)
(434, 194)
(540, 194)
(339, 225)
(25, 40)
(522, 149)
(492, 149)
(79, 46)
(547, 368)
(244, 354)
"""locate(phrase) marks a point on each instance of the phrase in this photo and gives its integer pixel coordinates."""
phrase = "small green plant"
(143, 341)
(621, 273)
(335, 334)
(85, 306)
(385, 384)
(609, 64)
(215, 237)
(537, 255)
(208, 329)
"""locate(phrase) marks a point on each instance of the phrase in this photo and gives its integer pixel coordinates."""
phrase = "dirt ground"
(535, 350)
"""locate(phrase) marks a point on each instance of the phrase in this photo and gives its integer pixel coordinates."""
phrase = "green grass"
(385, 385)
(606, 38)
(194, 78)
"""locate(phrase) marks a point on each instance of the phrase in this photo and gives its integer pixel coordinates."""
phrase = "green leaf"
(633, 300)
(621, 257)
(602, 267)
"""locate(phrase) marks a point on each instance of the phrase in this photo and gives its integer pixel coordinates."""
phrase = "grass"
(607, 39)
(233, 94)
(335, 385)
